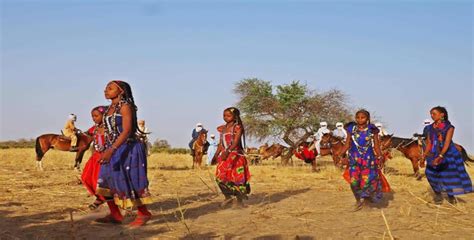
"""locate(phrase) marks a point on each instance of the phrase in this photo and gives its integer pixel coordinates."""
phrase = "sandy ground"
(286, 203)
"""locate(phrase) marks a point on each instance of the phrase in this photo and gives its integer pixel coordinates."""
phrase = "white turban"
(72, 117)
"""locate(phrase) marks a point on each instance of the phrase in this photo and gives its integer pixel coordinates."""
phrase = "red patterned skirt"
(233, 175)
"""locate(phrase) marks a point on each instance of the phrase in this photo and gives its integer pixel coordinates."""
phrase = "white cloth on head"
(72, 117)
(382, 131)
(198, 129)
(340, 132)
(143, 129)
(198, 124)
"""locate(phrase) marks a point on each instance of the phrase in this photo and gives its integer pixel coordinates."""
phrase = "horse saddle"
(64, 138)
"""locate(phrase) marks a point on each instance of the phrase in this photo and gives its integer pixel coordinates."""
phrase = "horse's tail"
(39, 151)
(464, 155)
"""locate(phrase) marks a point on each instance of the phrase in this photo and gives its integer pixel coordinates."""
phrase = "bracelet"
(441, 156)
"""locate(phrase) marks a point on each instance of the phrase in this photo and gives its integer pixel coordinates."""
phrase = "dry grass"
(286, 203)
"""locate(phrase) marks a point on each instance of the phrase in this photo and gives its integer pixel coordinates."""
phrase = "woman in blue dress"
(123, 175)
(445, 169)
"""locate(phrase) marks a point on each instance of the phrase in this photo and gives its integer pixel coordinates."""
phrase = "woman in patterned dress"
(232, 173)
(91, 170)
(365, 160)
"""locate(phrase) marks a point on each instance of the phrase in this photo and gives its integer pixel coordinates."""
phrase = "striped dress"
(450, 175)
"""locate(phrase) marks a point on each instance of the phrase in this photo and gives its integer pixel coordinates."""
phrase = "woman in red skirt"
(232, 174)
(91, 170)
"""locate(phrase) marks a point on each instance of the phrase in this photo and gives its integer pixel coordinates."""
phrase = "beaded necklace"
(98, 145)
(362, 149)
(111, 129)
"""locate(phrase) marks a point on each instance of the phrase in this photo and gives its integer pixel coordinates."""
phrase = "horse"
(198, 147)
(62, 143)
(332, 145)
(412, 149)
(274, 151)
(253, 155)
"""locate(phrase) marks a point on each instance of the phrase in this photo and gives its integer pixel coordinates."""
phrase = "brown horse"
(412, 150)
(331, 145)
(253, 155)
(62, 143)
(274, 151)
(198, 147)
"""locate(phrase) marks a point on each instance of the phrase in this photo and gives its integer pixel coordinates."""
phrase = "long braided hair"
(238, 120)
(127, 97)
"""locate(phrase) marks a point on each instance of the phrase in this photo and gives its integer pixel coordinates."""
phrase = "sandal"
(95, 204)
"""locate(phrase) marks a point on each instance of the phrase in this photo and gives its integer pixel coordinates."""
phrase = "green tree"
(290, 112)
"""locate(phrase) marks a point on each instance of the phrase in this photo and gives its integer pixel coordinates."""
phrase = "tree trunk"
(285, 158)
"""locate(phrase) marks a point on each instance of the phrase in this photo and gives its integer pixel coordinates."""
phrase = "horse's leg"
(41, 148)
(198, 160)
(416, 169)
(79, 156)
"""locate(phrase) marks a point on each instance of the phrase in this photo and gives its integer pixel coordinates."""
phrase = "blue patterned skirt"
(125, 177)
(450, 176)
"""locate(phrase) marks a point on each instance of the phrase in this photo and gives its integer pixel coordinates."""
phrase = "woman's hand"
(437, 161)
(106, 155)
(427, 154)
(224, 155)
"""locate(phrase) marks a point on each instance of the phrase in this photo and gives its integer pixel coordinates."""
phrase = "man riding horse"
(319, 134)
(195, 135)
(340, 132)
(70, 130)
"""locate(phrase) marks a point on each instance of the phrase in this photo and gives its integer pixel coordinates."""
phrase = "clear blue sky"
(397, 59)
